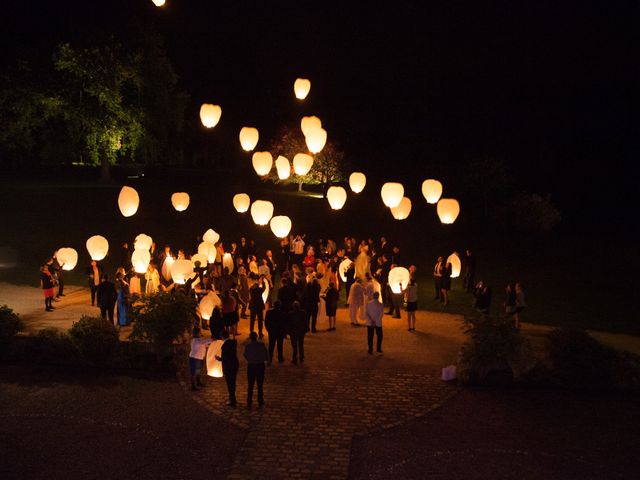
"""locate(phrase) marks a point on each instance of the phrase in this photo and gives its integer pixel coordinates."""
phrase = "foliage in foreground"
(10, 324)
(96, 339)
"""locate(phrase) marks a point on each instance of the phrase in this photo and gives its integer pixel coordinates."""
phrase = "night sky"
(404, 88)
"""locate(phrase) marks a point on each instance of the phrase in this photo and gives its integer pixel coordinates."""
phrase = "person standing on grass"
(47, 283)
(196, 358)
(256, 355)
(437, 277)
(411, 297)
(230, 365)
(275, 322)
(374, 314)
(106, 296)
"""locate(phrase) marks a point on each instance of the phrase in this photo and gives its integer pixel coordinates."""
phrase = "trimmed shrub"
(10, 325)
(96, 339)
(54, 347)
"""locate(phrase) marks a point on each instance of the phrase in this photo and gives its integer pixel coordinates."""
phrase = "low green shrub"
(96, 339)
(10, 325)
(53, 347)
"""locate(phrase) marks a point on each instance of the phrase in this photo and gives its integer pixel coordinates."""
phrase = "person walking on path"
(196, 358)
(297, 327)
(256, 355)
(230, 365)
(275, 322)
(411, 296)
(106, 297)
(374, 313)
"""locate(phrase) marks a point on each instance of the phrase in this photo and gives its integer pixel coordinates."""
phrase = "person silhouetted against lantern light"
(276, 323)
(196, 358)
(256, 355)
(106, 296)
(256, 306)
(445, 283)
(230, 365)
(94, 273)
(437, 276)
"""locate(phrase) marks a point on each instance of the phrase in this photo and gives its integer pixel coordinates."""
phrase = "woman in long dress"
(122, 288)
(153, 280)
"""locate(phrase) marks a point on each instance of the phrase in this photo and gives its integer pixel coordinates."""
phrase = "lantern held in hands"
(448, 210)
(200, 258)
(343, 267)
(432, 190)
(301, 88)
(208, 249)
(403, 210)
(316, 138)
(280, 226)
(140, 260)
(357, 181)
(302, 163)
(97, 246)
(211, 236)
(307, 123)
(214, 366)
(456, 265)
(181, 270)
(392, 194)
(398, 279)
(210, 301)
(128, 201)
(210, 114)
(227, 262)
(180, 201)
(337, 197)
(241, 202)
(249, 138)
(67, 257)
(262, 162)
(261, 212)
(284, 167)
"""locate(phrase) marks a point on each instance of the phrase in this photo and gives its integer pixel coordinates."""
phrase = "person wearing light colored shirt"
(374, 313)
(196, 358)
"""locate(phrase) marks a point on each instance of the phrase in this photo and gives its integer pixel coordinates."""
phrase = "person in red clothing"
(47, 282)
(310, 260)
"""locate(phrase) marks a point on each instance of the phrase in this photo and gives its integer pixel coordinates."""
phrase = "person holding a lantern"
(230, 365)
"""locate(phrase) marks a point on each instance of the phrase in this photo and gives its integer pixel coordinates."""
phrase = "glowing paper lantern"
(200, 257)
(456, 265)
(214, 367)
(302, 163)
(398, 279)
(337, 196)
(357, 181)
(308, 123)
(211, 236)
(241, 202)
(210, 115)
(97, 246)
(159, 3)
(301, 88)
(262, 162)
(432, 190)
(261, 212)
(249, 138)
(180, 201)
(143, 242)
(140, 260)
(448, 210)
(67, 257)
(128, 201)
(403, 210)
(265, 294)
(181, 270)
(280, 226)
(284, 167)
(209, 250)
(392, 194)
(342, 269)
(208, 303)
(227, 262)
(316, 138)
(166, 267)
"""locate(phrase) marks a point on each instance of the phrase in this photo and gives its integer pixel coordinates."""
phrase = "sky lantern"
(301, 88)
(302, 163)
(97, 246)
(392, 194)
(159, 3)
(208, 249)
(210, 301)
(398, 279)
(210, 114)
(261, 212)
(143, 242)
(249, 138)
(448, 210)
(265, 294)
(432, 190)
(357, 181)
(280, 226)
(456, 265)
(128, 201)
(140, 260)
(316, 139)
(214, 366)
(403, 210)
(262, 162)
(309, 122)
(284, 167)
(211, 236)
(67, 257)
(180, 201)
(200, 258)
(181, 270)
(241, 202)
(227, 262)
(337, 196)
(342, 269)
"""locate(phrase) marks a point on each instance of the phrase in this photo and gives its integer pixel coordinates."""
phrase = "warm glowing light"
(432, 190)
(262, 162)
(342, 269)
(208, 303)
(265, 294)
(448, 210)
(180, 201)
(357, 181)
(398, 279)
(337, 197)
(284, 167)
(128, 201)
(392, 194)
(302, 163)
(200, 258)
(261, 212)
(140, 260)
(143, 242)
(159, 3)
(208, 249)
(181, 270)
(249, 138)
(280, 226)
(316, 139)
(214, 367)
(97, 246)
(309, 122)
(301, 88)
(241, 202)
(211, 236)
(456, 265)
(403, 210)
(67, 257)
(210, 114)
(227, 262)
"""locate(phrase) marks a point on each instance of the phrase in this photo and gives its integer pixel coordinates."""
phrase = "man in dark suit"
(276, 323)
(469, 266)
(230, 365)
(256, 355)
(297, 327)
(256, 306)
(107, 297)
(311, 301)
(287, 294)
